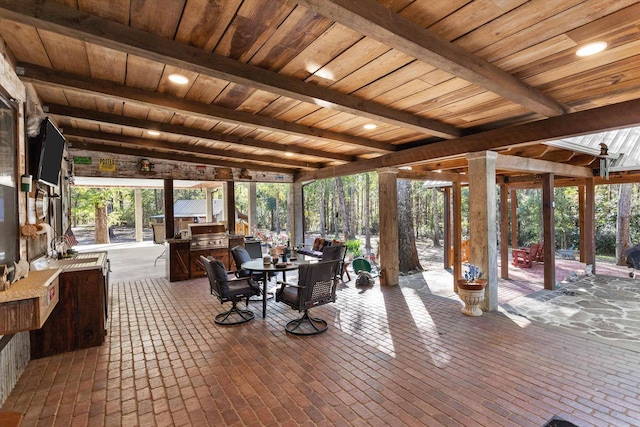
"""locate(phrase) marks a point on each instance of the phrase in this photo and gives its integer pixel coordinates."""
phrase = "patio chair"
(316, 286)
(525, 257)
(241, 255)
(254, 248)
(336, 252)
(226, 289)
(158, 239)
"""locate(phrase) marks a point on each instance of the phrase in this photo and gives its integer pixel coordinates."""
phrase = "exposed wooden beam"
(30, 73)
(114, 119)
(432, 176)
(105, 148)
(525, 164)
(75, 133)
(374, 20)
(54, 17)
(615, 116)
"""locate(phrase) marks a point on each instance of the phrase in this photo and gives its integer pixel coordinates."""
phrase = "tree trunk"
(102, 224)
(321, 202)
(436, 219)
(277, 214)
(367, 218)
(407, 251)
(622, 225)
(346, 223)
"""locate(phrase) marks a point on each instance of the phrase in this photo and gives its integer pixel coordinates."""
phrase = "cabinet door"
(195, 265)
(222, 255)
(178, 262)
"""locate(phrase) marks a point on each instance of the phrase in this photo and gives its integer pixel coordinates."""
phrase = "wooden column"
(169, 226)
(514, 218)
(549, 231)
(208, 196)
(590, 224)
(504, 231)
(230, 206)
(482, 222)
(137, 195)
(253, 211)
(224, 197)
(581, 245)
(295, 214)
(447, 227)
(388, 192)
(457, 234)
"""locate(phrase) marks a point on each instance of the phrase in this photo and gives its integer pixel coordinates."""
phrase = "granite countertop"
(33, 286)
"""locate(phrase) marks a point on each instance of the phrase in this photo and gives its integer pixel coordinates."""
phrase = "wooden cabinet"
(177, 264)
(184, 263)
(197, 268)
(79, 319)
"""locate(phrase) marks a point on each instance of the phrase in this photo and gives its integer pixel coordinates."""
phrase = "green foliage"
(353, 247)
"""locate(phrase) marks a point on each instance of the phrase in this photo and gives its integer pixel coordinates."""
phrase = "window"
(9, 248)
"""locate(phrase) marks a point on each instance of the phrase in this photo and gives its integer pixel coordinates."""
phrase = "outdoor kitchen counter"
(183, 259)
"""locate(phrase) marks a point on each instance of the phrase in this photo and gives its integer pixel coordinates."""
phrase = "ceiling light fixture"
(178, 79)
(591, 49)
(370, 126)
(288, 153)
(153, 132)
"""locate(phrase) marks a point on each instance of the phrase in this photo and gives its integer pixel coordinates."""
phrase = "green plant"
(353, 247)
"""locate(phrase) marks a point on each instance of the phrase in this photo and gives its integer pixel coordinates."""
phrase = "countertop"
(79, 262)
(33, 286)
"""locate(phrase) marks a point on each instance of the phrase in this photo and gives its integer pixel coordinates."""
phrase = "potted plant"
(471, 291)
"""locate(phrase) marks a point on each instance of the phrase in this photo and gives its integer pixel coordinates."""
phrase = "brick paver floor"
(392, 356)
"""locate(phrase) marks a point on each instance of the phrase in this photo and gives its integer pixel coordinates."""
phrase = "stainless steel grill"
(208, 236)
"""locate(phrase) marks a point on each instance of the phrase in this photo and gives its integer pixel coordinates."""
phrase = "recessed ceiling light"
(178, 79)
(591, 49)
(370, 126)
(153, 132)
(288, 153)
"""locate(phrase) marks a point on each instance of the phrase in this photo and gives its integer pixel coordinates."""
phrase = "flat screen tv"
(46, 154)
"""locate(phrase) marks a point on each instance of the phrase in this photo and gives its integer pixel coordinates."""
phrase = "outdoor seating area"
(390, 355)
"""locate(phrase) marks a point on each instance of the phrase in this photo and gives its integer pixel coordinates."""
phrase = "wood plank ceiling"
(288, 86)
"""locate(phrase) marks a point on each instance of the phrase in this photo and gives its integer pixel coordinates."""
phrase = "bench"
(313, 247)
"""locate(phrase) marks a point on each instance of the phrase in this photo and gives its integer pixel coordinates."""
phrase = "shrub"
(353, 247)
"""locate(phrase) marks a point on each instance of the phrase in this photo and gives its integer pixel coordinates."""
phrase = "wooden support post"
(514, 219)
(504, 231)
(208, 197)
(447, 227)
(253, 211)
(549, 231)
(230, 207)
(169, 226)
(389, 260)
(457, 234)
(295, 214)
(482, 222)
(581, 210)
(137, 195)
(590, 224)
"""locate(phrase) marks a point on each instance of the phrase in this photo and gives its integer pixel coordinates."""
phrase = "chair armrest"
(280, 282)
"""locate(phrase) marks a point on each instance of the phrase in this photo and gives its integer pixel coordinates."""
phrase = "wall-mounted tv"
(45, 154)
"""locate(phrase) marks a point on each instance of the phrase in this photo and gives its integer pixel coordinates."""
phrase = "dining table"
(258, 266)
